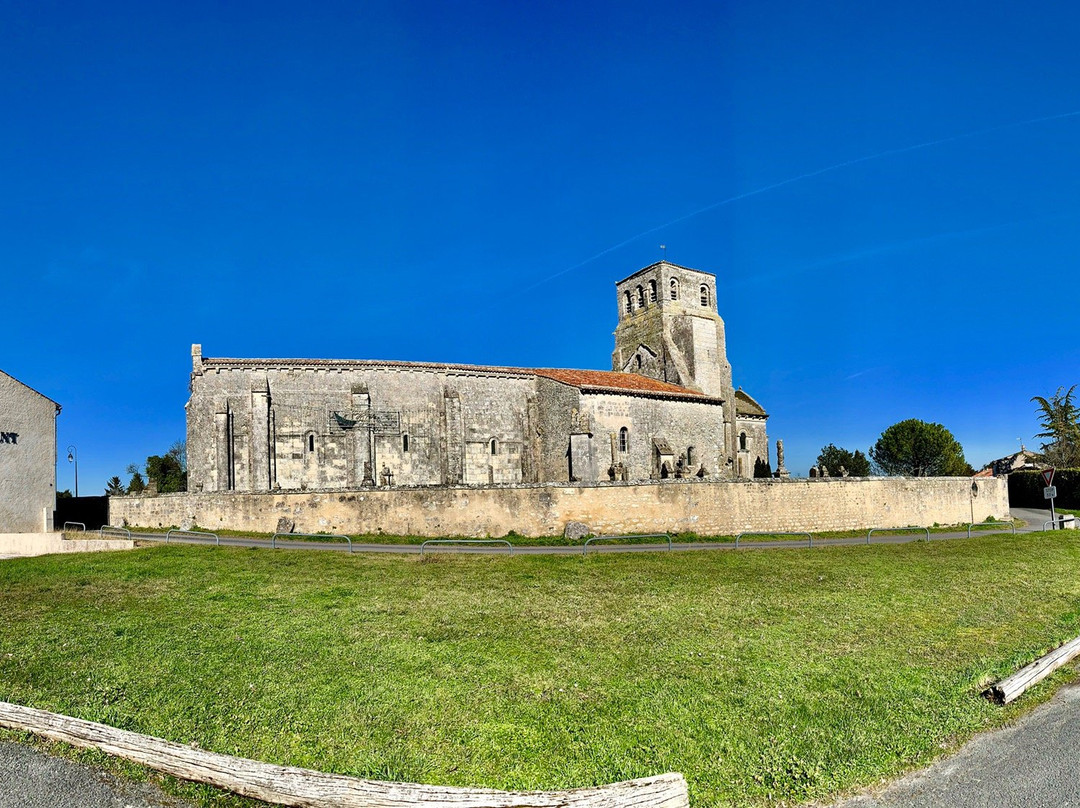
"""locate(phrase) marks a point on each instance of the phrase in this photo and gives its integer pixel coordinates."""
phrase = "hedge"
(1026, 489)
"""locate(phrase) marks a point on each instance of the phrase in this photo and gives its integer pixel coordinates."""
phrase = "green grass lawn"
(766, 677)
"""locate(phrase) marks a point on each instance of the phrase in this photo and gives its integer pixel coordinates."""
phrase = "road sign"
(1050, 492)
(1048, 476)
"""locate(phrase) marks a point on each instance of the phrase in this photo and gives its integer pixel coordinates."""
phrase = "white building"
(27, 458)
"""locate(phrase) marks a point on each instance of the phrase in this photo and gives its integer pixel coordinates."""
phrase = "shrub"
(1026, 489)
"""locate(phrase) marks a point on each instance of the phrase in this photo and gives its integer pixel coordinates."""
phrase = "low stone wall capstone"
(35, 544)
(703, 507)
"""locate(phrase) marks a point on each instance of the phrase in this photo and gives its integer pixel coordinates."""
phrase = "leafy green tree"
(1060, 419)
(833, 457)
(167, 473)
(919, 449)
(65, 494)
(114, 488)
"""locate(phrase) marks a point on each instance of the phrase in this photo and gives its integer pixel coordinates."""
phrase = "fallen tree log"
(306, 788)
(1010, 689)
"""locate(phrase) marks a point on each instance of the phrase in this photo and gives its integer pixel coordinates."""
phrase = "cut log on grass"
(291, 786)
(1010, 689)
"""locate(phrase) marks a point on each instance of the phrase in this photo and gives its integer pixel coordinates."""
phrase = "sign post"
(1049, 493)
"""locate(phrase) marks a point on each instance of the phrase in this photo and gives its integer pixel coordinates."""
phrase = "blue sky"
(465, 182)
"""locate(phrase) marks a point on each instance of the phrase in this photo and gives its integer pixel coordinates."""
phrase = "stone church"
(667, 409)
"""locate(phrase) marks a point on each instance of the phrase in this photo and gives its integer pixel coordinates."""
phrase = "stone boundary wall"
(35, 544)
(703, 507)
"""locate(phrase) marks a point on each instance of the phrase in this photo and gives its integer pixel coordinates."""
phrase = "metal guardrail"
(82, 527)
(895, 530)
(1002, 524)
(1059, 523)
(809, 538)
(113, 530)
(665, 536)
(273, 541)
(198, 534)
(466, 541)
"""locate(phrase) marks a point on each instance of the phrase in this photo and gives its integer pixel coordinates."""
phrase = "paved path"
(33, 779)
(1032, 763)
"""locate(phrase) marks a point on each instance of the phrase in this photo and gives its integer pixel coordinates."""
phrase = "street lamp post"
(73, 457)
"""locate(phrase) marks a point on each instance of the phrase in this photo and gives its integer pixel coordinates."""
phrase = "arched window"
(494, 445)
(652, 291)
(311, 442)
(624, 440)
(405, 442)
(742, 442)
(674, 285)
(704, 295)
(626, 302)
(640, 298)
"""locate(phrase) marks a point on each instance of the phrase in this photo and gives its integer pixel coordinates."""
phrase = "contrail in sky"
(773, 186)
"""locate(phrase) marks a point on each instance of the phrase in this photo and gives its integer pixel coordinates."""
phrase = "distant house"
(27, 458)
(1007, 465)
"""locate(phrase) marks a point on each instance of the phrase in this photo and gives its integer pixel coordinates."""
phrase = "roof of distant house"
(1023, 459)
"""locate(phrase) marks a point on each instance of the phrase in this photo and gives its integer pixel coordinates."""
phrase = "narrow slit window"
(494, 446)
(624, 439)
(640, 298)
(311, 443)
(674, 286)
(652, 291)
(742, 442)
(626, 302)
(704, 295)
(404, 443)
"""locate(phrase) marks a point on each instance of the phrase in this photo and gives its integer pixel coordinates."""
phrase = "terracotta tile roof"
(606, 379)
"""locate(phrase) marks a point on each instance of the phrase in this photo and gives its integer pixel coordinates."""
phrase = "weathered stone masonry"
(540, 510)
(667, 410)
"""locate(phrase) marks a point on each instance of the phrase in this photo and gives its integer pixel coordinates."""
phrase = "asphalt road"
(33, 779)
(1032, 763)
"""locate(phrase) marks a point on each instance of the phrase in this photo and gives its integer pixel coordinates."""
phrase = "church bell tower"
(669, 330)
